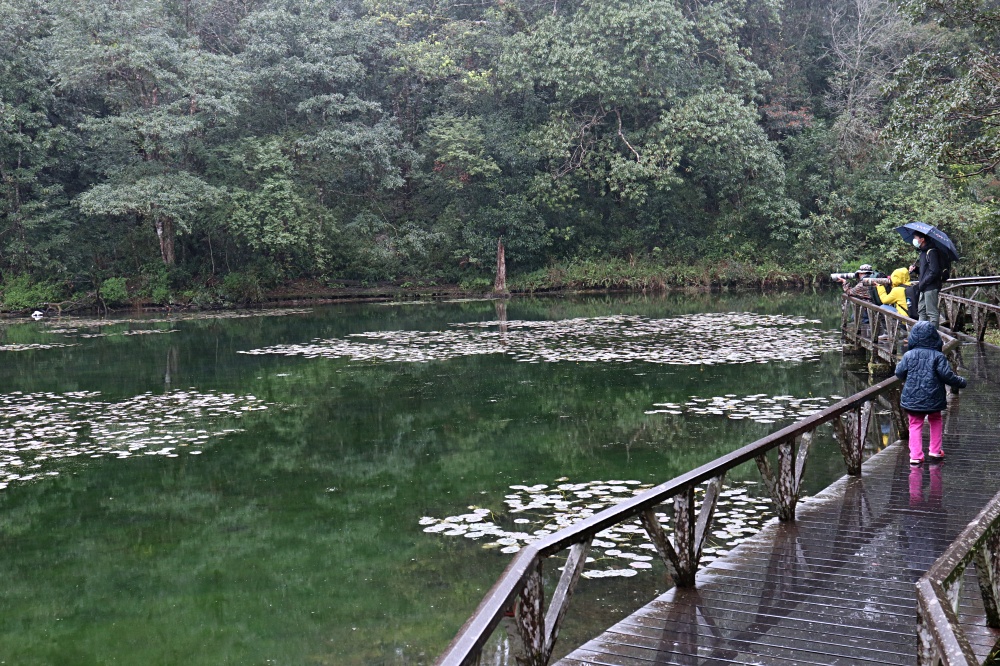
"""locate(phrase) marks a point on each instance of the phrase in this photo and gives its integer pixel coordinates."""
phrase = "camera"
(872, 281)
(844, 276)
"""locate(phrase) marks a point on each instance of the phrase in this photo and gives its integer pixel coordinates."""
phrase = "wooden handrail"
(968, 301)
(941, 639)
(880, 319)
(971, 281)
(523, 573)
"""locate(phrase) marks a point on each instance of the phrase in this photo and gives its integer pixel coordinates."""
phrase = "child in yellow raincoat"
(895, 299)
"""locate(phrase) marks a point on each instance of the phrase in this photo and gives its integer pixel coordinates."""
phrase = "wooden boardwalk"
(837, 585)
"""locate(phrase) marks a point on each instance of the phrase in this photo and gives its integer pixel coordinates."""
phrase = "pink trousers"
(917, 435)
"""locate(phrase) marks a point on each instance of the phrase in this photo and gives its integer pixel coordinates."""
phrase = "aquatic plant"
(38, 431)
(33, 346)
(694, 339)
(533, 512)
(758, 407)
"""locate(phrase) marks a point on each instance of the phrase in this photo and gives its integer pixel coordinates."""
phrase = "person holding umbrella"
(933, 265)
(929, 281)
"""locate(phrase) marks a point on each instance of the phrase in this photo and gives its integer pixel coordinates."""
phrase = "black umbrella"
(933, 234)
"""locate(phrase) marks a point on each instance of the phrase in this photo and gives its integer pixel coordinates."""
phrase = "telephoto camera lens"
(871, 282)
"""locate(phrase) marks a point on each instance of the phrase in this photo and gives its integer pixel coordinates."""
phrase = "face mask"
(916, 243)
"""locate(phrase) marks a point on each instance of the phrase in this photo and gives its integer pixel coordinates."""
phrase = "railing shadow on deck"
(517, 599)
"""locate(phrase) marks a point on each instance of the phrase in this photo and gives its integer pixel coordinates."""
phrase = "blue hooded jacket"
(925, 371)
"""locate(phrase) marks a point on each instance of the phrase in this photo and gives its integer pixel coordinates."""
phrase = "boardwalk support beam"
(564, 590)
(682, 556)
(526, 625)
(531, 630)
(852, 435)
(784, 488)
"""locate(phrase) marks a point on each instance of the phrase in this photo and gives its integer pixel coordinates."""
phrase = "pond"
(342, 484)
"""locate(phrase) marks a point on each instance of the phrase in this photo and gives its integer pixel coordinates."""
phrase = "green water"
(296, 539)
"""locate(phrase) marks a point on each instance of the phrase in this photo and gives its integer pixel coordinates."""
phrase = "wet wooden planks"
(836, 586)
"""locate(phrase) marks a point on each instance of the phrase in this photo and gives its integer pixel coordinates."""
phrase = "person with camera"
(859, 291)
(895, 293)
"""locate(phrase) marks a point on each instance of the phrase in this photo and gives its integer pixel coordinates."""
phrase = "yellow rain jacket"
(897, 295)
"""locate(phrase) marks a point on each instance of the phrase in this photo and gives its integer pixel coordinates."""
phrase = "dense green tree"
(391, 139)
(154, 97)
(35, 149)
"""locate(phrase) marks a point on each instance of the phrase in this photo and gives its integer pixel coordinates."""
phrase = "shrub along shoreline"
(20, 296)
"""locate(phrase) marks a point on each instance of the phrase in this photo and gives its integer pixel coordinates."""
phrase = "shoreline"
(290, 297)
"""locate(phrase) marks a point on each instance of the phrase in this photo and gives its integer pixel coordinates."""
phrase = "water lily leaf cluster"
(532, 512)
(40, 433)
(699, 339)
(758, 407)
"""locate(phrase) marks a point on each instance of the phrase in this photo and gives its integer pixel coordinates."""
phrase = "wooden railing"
(962, 283)
(517, 599)
(872, 327)
(941, 639)
(958, 310)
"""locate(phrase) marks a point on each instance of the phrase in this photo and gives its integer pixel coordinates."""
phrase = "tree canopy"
(173, 142)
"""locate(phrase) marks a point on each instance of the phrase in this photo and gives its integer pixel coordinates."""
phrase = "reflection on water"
(296, 535)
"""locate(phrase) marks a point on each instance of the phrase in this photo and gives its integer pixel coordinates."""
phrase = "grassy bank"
(651, 276)
(21, 295)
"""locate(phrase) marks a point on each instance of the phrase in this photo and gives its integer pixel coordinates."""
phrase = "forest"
(171, 151)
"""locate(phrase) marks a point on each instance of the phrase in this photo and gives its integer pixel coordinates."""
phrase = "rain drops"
(39, 432)
(758, 407)
(694, 339)
(535, 511)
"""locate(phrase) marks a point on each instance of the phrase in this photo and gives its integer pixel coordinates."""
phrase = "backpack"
(912, 300)
(944, 258)
(873, 290)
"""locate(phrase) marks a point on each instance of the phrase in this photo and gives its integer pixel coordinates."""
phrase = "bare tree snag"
(500, 283)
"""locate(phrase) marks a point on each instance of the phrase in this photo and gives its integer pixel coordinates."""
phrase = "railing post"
(979, 322)
(899, 420)
(852, 434)
(690, 532)
(564, 590)
(684, 537)
(526, 627)
(784, 488)
(926, 650)
(988, 572)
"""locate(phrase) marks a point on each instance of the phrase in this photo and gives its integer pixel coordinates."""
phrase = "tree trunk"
(165, 234)
(500, 284)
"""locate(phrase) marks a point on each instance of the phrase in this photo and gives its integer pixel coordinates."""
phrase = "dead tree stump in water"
(500, 283)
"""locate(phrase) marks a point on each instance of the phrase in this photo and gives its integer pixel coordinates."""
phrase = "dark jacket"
(925, 371)
(930, 269)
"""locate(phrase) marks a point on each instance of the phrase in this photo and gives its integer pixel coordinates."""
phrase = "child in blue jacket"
(925, 371)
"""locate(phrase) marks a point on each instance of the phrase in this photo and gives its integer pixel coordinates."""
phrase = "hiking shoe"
(916, 461)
